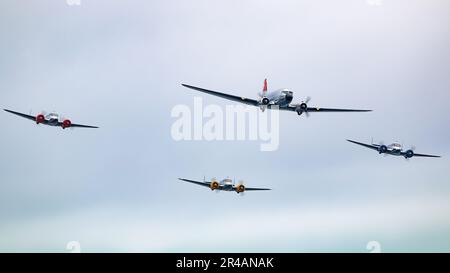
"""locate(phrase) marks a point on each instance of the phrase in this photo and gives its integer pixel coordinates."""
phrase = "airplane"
(392, 149)
(51, 119)
(224, 185)
(280, 98)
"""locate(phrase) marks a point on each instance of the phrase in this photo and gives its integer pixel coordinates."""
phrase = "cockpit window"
(396, 145)
(52, 116)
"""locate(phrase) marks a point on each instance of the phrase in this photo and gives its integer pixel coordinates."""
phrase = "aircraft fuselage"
(394, 152)
(281, 97)
(227, 185)
(52, 122)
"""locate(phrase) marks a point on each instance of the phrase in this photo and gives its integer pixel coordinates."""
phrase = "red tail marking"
(265, 86)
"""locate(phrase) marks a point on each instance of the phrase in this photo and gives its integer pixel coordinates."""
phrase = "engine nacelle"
(382, 149)
(303, 107)
(66, 124)
(40, 118)
(409, 154)
(265, 101)
(240, 188)
(214, 185)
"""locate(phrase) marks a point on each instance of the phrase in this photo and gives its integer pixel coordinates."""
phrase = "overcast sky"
(119, 65)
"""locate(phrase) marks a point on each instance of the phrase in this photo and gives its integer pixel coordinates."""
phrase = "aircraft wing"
(225, 96)
(370, 146)
(73, 125)
(205, 184)
(256, 189)
(318, 109)
(21, 115)
(424, 155)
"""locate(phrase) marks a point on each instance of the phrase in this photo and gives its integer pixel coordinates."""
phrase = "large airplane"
(392, 149)
(224, 185)
(51, 119)
(280, 98)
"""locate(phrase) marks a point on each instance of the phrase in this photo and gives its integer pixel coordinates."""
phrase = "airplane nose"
(289, 96)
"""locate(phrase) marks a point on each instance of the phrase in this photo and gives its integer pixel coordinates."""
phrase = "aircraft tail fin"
(264, 91)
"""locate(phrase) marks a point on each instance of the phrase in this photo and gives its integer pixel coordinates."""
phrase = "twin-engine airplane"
(392, 149)
(51, 119)
(224, 185)
(280, 98)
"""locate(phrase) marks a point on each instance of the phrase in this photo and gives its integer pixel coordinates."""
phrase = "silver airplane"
(224, 185)
(392, 149)
(280, 98)
(51, 119)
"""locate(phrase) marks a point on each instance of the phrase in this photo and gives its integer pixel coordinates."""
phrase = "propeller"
(307, 100)
(304, 104)
(212, 182)
(241, 182)
(382, 143)
(303, 107)
(62, 118)
(41, 119)
(412, 148)
(217, 191)
(382, 148)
